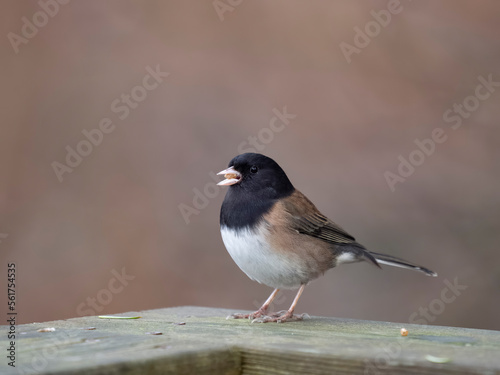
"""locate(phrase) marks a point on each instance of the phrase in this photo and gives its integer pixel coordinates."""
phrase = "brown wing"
(306, 219)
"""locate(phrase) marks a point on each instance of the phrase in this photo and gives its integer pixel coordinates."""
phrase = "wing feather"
(307, 219)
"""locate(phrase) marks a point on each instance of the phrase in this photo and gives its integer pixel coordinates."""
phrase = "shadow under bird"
(279, 238)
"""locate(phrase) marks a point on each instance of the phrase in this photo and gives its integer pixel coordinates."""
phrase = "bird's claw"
(254, 315)
(281, 318)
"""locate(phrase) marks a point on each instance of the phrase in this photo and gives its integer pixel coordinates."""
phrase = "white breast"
(251, 252)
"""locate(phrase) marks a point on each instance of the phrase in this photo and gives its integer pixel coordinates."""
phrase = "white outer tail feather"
(415, 268)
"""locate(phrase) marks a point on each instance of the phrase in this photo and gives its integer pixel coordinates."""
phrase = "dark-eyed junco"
(279, 238)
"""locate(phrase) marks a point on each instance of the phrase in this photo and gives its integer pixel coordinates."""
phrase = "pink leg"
(286, 316)
(260, 312)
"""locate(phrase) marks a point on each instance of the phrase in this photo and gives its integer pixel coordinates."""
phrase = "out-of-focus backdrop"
(116, 115)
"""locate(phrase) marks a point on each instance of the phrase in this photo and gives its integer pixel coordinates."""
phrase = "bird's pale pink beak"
(232, 176)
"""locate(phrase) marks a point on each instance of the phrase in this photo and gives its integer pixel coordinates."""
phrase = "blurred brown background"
(119, 208)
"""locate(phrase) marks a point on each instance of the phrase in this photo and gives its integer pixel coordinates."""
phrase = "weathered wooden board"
(209, 344)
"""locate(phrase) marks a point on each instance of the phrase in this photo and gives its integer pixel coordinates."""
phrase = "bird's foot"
(280, 317)
(257, 314)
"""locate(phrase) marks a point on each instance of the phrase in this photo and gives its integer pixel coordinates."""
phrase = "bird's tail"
(398, 262)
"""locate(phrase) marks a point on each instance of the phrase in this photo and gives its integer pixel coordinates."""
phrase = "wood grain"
(209, 344)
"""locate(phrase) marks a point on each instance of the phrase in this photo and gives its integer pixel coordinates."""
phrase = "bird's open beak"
(232, 176)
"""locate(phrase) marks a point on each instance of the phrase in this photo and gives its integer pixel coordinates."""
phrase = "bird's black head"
(255, 182)
(258, 176)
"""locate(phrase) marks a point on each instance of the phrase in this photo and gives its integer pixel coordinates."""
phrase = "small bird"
(279, 238)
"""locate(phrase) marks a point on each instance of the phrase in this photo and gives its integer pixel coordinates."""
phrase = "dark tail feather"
(398, 262)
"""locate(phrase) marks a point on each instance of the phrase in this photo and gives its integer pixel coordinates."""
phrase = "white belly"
(254, 257)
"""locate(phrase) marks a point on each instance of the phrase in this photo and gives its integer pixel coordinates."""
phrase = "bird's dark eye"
(253, 169)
